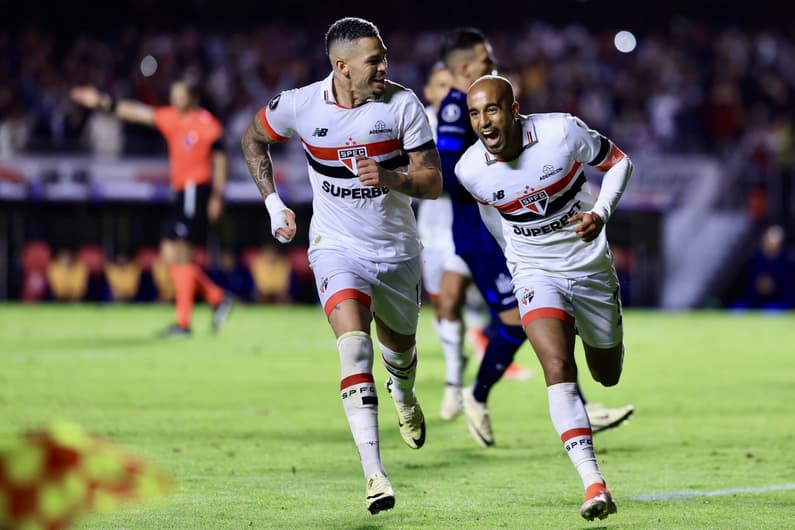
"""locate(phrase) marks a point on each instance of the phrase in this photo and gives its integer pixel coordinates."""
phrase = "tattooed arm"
(255, 144)
(423, 179)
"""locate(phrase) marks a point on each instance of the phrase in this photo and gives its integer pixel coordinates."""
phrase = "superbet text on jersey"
(537, 193)
(375, 223)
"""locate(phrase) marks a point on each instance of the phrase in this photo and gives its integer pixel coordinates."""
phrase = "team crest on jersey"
(323, 284)
(451, 112)
(527, 296)
(535, 202)
(347, 155)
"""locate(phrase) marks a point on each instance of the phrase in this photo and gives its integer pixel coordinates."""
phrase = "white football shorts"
(435, 262)
(591, 303)
(390, 290)
(435, 227)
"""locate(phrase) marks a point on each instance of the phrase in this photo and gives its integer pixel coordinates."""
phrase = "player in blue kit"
(468, 55)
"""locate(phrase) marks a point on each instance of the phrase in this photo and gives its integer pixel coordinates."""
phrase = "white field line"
(713, 493)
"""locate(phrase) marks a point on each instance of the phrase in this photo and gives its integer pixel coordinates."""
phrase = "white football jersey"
(536, 194)
(375, 223)
(430, 113)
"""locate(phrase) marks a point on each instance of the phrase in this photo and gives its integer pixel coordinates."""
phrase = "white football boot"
(451, 403)
(411, 420)
(603, 418)
(378, 494)
(478, 419)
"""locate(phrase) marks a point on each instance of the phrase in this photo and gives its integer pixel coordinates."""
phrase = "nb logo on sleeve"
(320, 132)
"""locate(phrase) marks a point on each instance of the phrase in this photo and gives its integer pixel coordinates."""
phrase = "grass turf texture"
(250, 422)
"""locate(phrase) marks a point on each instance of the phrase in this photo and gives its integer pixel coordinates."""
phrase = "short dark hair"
(435, 67)
(350, 29)
(459, 39)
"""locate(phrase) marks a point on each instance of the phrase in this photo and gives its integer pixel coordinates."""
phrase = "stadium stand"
(704, 107)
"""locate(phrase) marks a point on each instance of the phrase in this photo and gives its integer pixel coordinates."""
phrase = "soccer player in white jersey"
(529, 169)
(369, 150)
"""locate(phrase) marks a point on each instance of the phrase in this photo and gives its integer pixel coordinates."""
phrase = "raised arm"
(125, 109)
(423, 179)
(255, 145)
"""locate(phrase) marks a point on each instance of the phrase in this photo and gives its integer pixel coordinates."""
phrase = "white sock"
(359, 399)
(451, 335)
(402, 368)
(571, 422)
(476, 314)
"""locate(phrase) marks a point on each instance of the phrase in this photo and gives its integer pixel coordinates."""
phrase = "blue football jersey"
(454, 136)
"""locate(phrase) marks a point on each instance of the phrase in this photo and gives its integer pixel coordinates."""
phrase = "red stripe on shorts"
(547, 312)
(345, 294)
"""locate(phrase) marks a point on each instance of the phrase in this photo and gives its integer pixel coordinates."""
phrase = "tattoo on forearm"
(255, 151)
(427, 159)
(430, 158)
(407, 186)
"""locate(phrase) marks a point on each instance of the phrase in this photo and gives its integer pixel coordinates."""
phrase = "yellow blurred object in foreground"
(50, 477)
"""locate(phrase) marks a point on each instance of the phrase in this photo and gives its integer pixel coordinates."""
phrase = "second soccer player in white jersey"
(529, 170)
(369, 149)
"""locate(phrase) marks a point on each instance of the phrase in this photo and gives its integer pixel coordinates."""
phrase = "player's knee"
(559, 369)
(448, 307)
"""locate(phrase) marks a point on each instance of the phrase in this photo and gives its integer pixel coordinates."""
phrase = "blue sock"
(498, 356)
(493, 327)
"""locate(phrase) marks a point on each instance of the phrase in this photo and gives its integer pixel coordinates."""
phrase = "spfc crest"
(527, 296)
(348, 156)
(535, 202)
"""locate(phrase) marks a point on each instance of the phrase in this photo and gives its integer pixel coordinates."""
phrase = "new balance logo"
(498, 195)
(320, 132)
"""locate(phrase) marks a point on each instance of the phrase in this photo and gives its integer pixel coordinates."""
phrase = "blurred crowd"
(689, 87)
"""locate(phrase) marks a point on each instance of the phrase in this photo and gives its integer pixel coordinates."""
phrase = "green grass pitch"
(250, 422)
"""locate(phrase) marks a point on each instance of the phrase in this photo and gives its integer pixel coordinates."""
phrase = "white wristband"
(602, 211)
(276, 209)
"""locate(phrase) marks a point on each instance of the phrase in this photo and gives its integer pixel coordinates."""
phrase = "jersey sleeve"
(278, 116)
(463, 182)
(587, 145)
(165, 119)
(417, 133)
(591, 147)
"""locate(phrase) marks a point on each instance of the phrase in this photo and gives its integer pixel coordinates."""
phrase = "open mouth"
(491, 137)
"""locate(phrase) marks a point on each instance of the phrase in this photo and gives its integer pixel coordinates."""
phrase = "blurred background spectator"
(703, 100)
(769, 276)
